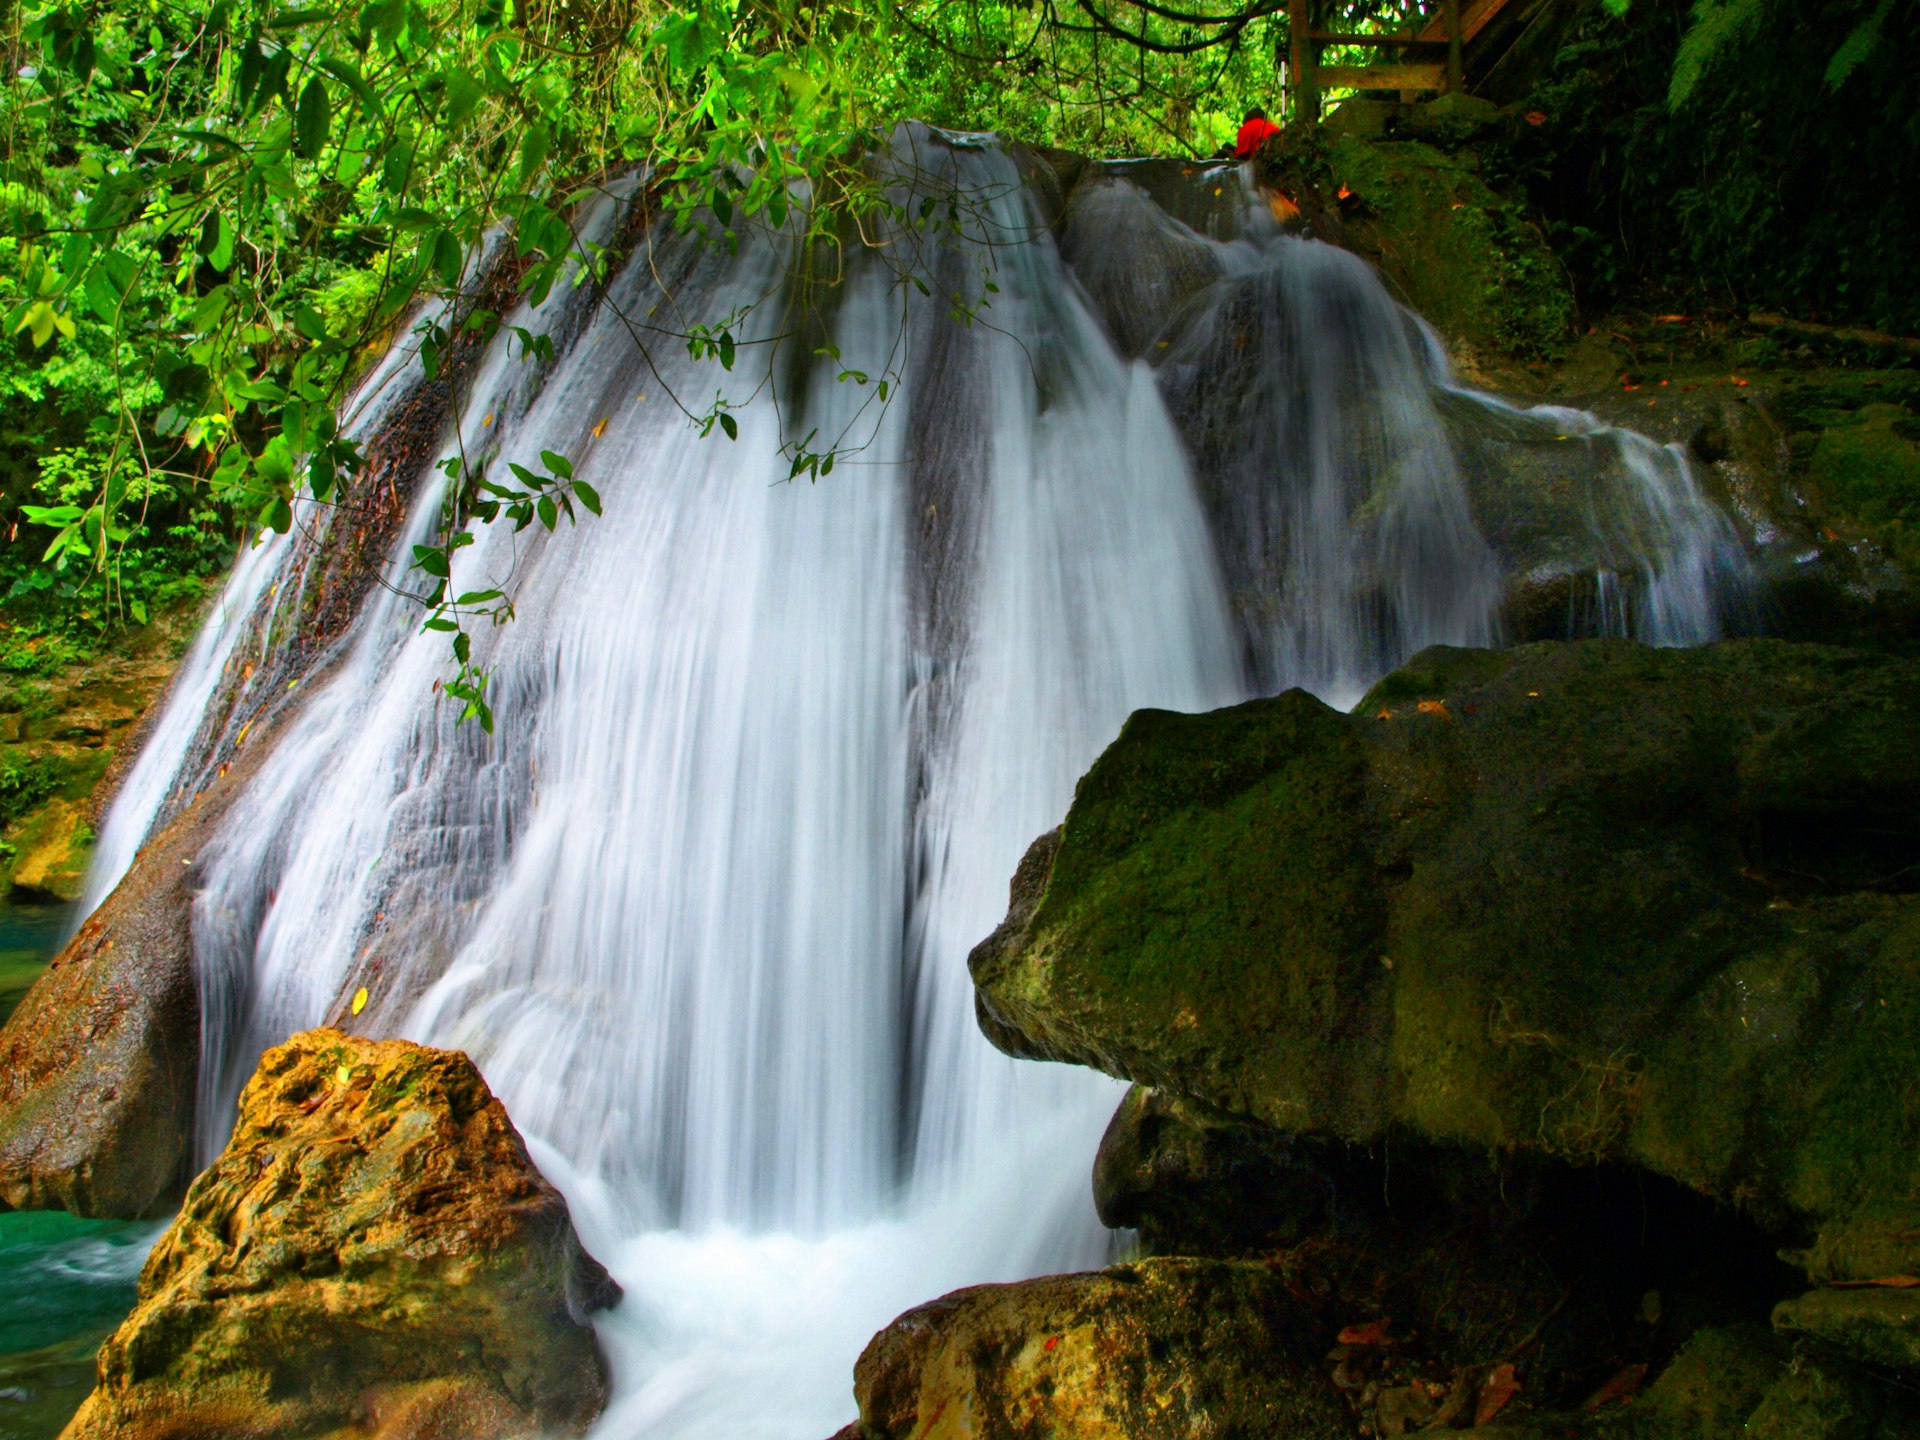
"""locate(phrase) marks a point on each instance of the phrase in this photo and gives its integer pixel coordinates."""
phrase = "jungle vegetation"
(214, 212)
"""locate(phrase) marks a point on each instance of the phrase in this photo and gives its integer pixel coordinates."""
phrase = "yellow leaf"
(344, 1075)
(601, 428)
(359, 999)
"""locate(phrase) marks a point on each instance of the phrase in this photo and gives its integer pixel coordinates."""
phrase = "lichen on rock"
(1150, 1351)
(373, 1255)
(1596, 902)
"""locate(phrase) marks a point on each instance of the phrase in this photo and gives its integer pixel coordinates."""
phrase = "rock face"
(373, 1255)
(99, 1062)
(1163, 1348)
(1594, 902)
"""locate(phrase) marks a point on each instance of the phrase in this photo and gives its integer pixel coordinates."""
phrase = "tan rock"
(1198, 1349)
(373, 1255)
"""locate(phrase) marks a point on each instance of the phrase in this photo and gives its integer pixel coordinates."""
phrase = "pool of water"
(64, 1283)
(29, 936)
(67, 1284)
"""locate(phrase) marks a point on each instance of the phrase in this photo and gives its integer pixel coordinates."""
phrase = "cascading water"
(767, 752)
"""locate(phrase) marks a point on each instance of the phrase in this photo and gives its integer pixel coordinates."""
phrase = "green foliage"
(1782, 180)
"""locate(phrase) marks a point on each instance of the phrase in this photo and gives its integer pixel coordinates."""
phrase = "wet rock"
(1591, 902)
(1196, 1181)
(99, 1061)
(1137, 264)
(1469, 260)
(373, 1255)
(1161, 1348)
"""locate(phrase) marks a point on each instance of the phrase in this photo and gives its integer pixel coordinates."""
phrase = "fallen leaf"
(1052, 1341)
(601, 428)
(1374, 1332)
(1500, 1386)
(359, 999)
(1384, 715)
(1883, 1282)
(1433, 707)
(343, 1075)
(1623, 1386)
(1536, 117)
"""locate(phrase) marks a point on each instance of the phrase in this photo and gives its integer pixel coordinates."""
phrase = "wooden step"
(1474, 15)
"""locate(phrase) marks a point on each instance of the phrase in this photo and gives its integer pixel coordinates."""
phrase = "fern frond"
(1718, 27)
(1857, 47)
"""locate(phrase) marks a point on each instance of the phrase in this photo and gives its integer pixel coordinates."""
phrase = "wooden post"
(1456, 67)
(1305, 61)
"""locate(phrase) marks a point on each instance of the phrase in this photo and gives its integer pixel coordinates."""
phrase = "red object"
(1252, 136)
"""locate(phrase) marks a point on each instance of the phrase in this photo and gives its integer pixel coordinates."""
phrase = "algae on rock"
(373, 1255)
(1596, 901)
(1150, 1351)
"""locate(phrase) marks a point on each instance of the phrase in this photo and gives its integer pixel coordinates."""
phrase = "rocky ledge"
(374, 1255)
(1547, 1025)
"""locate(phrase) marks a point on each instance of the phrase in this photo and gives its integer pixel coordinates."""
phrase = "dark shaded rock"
(1196, 1181)
(99, 1061)
(1881, 1325)
(1171, 1348)
(374, 1254)
(1593, 902)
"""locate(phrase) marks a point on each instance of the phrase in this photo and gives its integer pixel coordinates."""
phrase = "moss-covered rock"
(1468, 259)
(1194, 1180)
(1161, 1348)
(1596, 902)
(373, 1255)
(66, 715)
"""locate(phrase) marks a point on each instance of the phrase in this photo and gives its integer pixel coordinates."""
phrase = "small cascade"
(768, 750)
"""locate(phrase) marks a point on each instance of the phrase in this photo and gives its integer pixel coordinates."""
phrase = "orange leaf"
(1884, 1282)
(1495, 1391)
(1374, 1332)
(1433, 707)
(1535, 117)
(1621, 1387)
(1052, 1340)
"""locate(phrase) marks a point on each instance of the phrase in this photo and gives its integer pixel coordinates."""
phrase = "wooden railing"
(1456, 23)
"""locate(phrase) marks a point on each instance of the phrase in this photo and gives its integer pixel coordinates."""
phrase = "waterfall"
(768, 749)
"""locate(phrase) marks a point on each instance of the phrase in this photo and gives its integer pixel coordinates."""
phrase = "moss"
(1469, 260)
(1192, 842)
(1599, 901)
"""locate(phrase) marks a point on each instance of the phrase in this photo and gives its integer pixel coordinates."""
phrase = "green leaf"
(589, 497)
(728, 424)
(479, 597)
(431, 560)
(448, 259)
(313, 119)
(557, 463)
(549, 512)
(534, 146)
(462, 646)
(309, 322)
(1858, 45)
(279, 515)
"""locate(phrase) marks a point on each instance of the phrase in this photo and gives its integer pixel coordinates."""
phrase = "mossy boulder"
(1596, 902)
(1161, 1348)
(1468, 259)
(373, 1255)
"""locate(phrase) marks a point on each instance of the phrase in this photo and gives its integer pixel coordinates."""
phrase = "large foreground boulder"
(1597, 902)
(1163, 1348)
(373, 1255)
(99, 1063)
